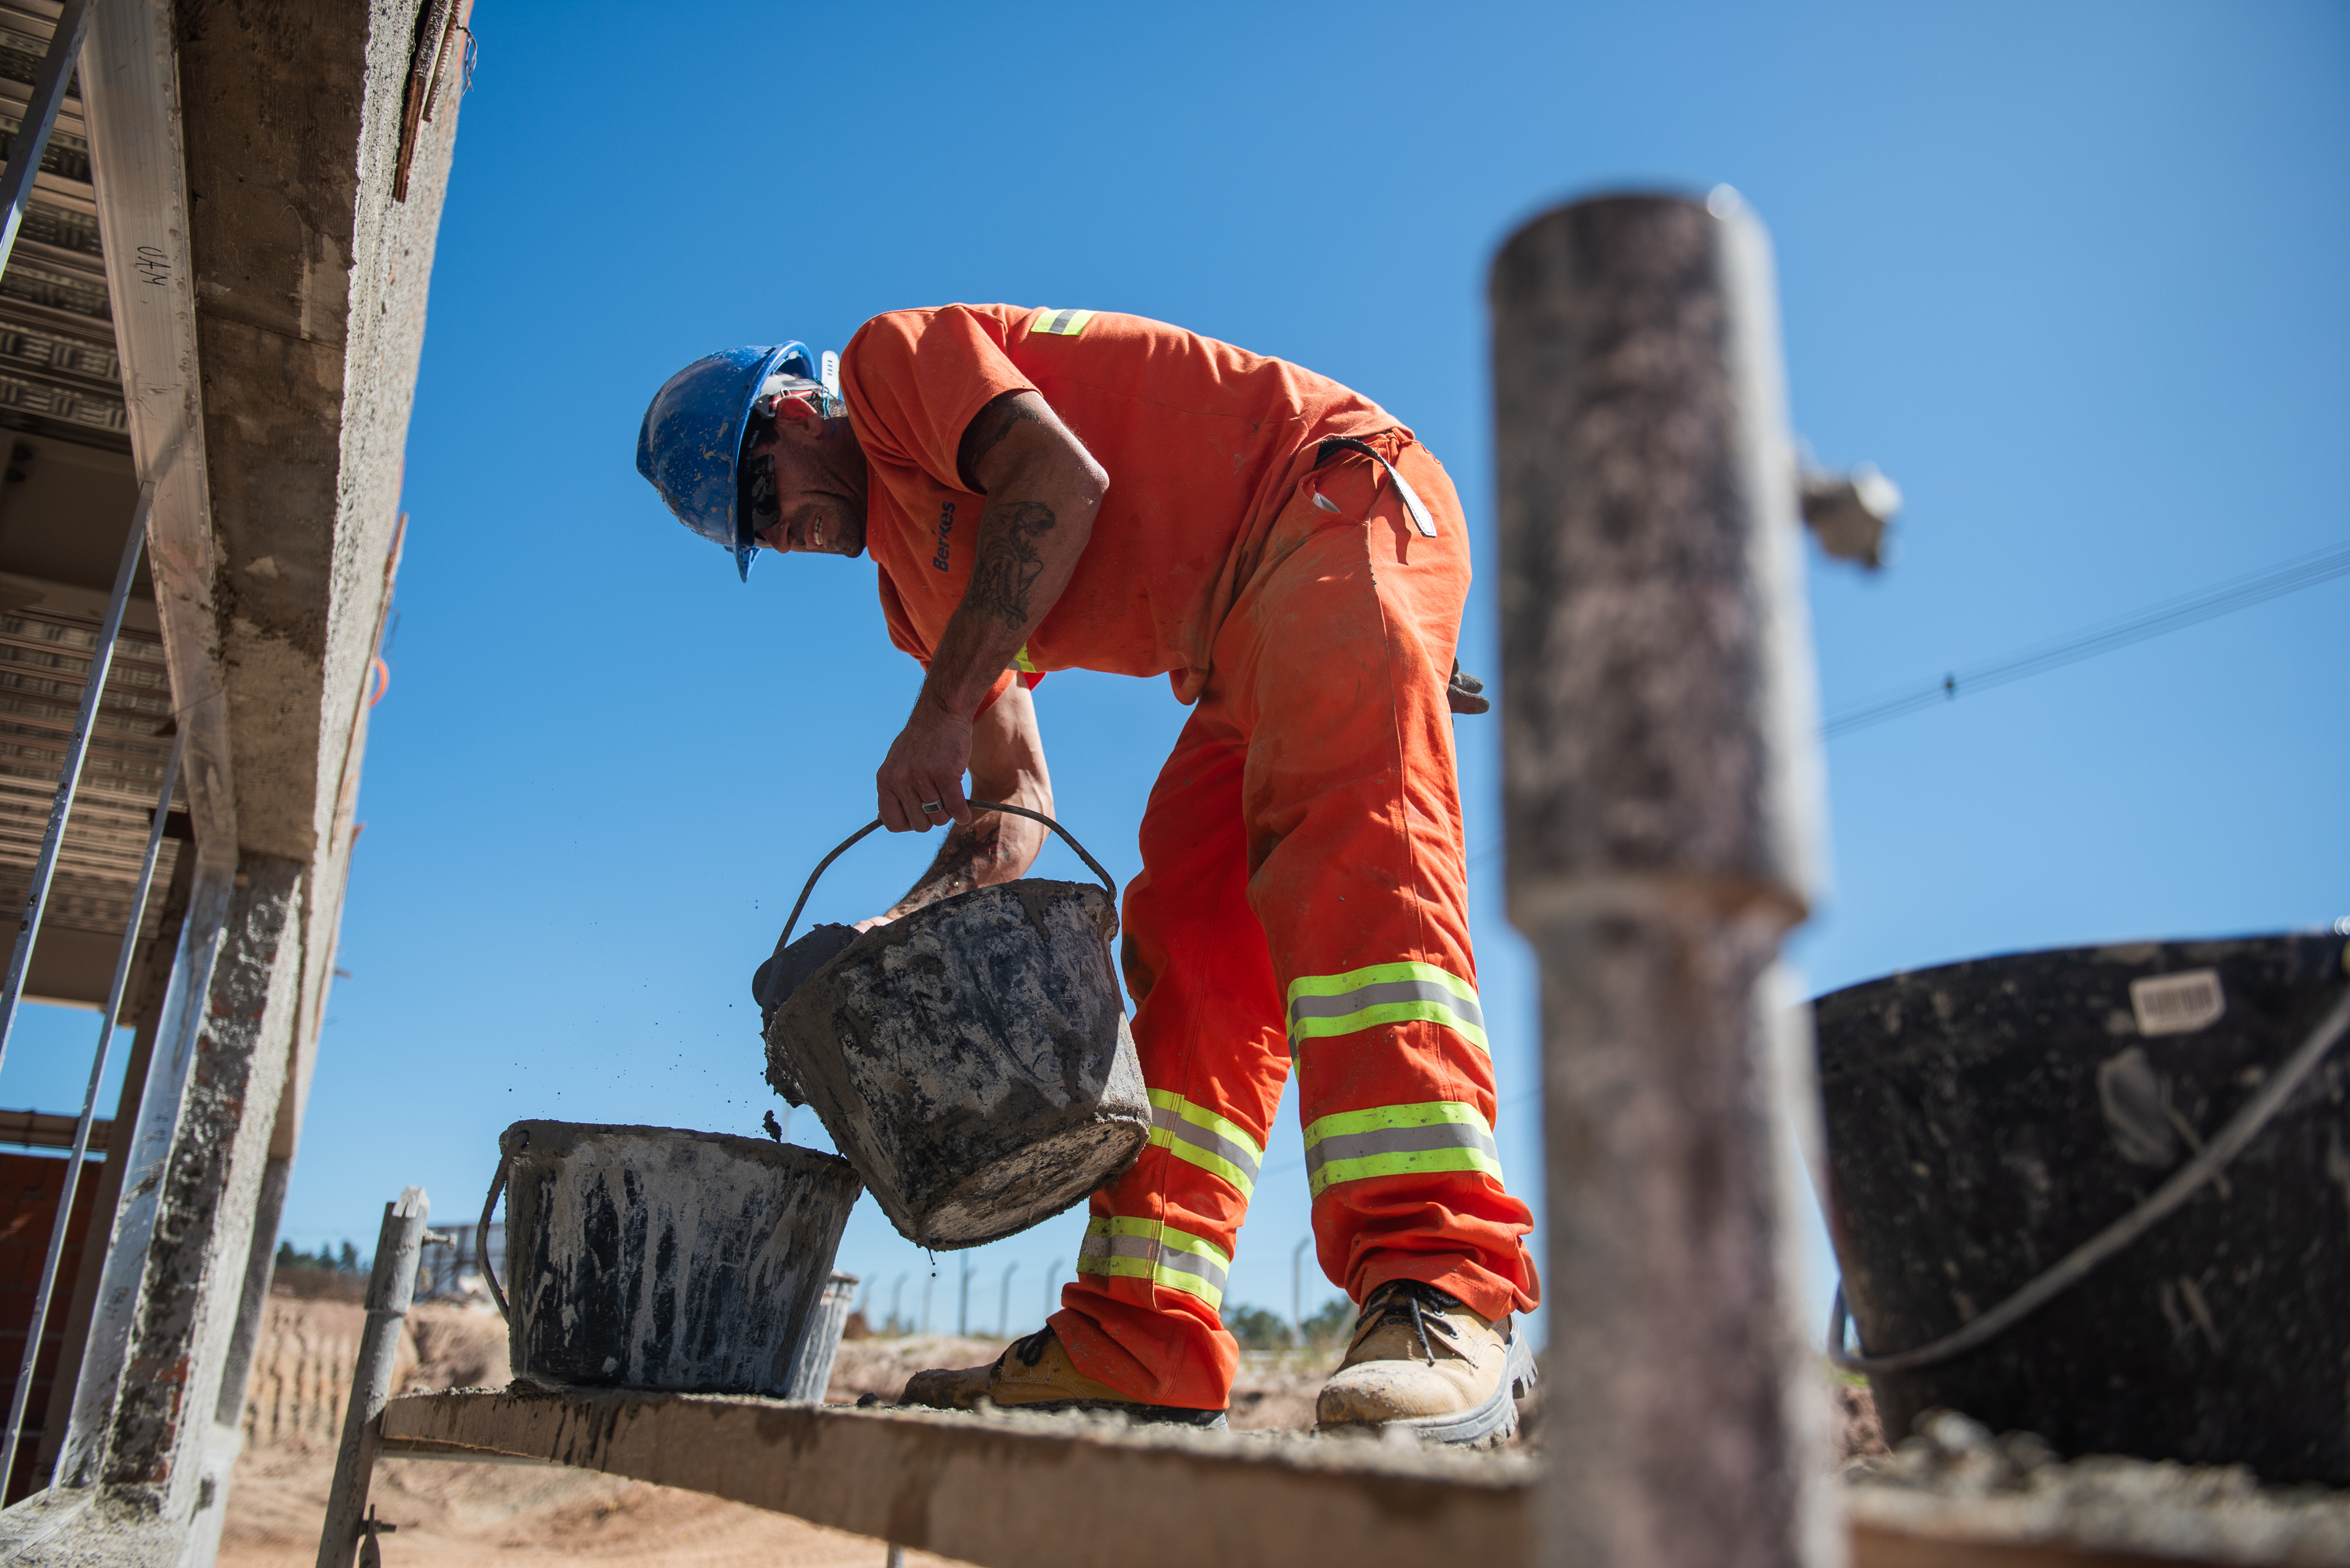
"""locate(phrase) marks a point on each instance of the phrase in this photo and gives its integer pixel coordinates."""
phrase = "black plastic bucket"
(971, 1059)
(651, 1258)
(1985, 1119)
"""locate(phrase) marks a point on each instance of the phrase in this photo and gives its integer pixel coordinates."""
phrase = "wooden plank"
(1013, 1492)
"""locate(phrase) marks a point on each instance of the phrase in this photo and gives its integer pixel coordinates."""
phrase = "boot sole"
(1493, 1422)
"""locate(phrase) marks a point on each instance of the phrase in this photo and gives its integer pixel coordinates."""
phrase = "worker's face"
(815, 511)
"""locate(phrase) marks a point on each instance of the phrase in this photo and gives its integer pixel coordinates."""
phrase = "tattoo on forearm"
(986, 431)
(1009, 562)
(968, 854)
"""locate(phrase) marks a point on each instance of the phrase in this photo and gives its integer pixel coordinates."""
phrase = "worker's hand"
(925, 766)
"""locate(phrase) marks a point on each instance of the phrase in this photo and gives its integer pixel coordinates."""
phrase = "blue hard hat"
(692, 439)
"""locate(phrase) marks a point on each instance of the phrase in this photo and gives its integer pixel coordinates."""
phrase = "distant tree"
(1258, 1329)
(1330, 1323)
(348, 1261)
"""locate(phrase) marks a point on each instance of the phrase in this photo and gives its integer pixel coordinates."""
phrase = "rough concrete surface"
(310, 290)
(194, 1265)
(1954, 1481)
(1961, 1501)
(468, 1516)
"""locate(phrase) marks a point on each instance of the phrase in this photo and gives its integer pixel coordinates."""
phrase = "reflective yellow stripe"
(1155, 1250)
(1200, 1137)
(1326, 1004)
(1026, 666)
(1060, 323)
(1399, 1140)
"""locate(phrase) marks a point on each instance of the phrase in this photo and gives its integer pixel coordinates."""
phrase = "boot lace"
(1030, 1349)
(1422, 1306)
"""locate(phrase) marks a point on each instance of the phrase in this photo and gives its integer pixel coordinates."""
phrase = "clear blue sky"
(2071, 273)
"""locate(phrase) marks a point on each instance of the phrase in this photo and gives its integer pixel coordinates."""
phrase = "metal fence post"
(1660, 771)
(390, 1287)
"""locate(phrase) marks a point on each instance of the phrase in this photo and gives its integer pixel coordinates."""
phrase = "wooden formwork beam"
(1046, 1491)
(1011, 1491)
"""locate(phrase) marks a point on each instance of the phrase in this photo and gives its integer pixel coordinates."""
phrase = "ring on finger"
(933, 807)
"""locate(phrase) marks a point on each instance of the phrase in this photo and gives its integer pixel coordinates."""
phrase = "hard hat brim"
(689, 445)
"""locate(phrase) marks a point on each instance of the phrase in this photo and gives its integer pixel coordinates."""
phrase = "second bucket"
(971, 1060)
(658, 1258)
(1988, 1121)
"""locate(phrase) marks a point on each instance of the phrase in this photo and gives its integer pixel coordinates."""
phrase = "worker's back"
(1201, 441)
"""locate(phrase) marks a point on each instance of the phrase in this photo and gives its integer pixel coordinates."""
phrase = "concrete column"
(168, 1300)
(1661, 779)
(153, 982)
(253, 1301)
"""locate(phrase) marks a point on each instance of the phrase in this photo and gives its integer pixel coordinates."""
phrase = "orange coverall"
(1301, 905)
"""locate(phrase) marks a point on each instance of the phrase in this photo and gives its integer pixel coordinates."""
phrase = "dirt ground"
(517, 1516)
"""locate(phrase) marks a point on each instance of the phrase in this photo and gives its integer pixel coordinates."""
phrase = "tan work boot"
(1422, 1362)
(1036, 1374)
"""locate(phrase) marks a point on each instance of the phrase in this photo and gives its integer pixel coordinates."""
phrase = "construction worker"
(1048, 489)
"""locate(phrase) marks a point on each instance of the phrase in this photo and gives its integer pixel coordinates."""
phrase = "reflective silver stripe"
(1162, 1259)
(1172, 1123)
(1463, 1007)
(1118, 1246)
(1193, 1265)
(1399, 1140)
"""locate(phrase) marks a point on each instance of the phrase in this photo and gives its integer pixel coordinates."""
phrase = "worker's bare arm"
(1043, 490)
(1007, 765)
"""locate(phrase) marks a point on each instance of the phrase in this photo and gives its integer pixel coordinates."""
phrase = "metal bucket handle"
(1092, 863)
(482, 1234)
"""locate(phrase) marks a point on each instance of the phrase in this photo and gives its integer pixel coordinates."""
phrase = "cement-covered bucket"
(971, 1059)
(652, 1258)
(820, 1345)
(2103, 1194)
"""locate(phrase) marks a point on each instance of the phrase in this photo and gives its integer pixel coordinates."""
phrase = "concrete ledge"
(1007, 1490)
(39, 1518)
(1013, 1491)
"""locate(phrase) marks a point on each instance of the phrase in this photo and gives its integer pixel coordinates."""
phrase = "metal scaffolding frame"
(33, 696)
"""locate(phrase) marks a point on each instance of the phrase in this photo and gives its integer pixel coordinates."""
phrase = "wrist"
(938, 703)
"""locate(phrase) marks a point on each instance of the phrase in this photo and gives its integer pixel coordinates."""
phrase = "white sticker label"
(2178, 1004)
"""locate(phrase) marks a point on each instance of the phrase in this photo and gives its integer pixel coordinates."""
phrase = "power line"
(2039, 658)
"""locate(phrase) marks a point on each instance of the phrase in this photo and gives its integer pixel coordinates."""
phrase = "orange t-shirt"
(1202, 442)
